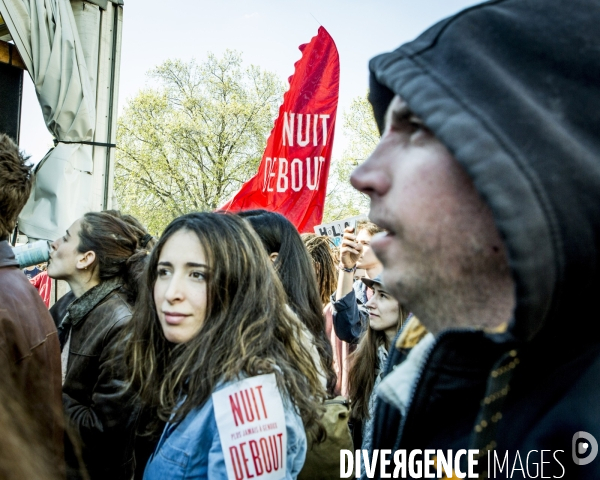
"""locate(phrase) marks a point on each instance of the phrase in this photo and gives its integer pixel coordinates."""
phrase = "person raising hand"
(350, 315)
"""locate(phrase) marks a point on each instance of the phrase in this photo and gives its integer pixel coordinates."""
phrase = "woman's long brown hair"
(297, 274)
(364, 364)
(247, 329)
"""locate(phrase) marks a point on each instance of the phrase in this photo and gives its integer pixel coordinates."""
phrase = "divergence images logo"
(585, 448)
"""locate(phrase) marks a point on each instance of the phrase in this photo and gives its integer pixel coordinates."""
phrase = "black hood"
(512, 88)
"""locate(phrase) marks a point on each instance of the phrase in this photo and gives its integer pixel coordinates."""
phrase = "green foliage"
(343, 200)
(190, 141)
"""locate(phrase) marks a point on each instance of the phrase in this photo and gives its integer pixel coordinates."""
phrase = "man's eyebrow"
(398, 109)
(68, 234)
(399, 113)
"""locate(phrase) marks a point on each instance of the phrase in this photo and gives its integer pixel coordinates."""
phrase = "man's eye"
(65, 239)
(407, 123)
(416, 122)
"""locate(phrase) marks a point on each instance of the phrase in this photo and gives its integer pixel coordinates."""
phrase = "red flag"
(292, 176)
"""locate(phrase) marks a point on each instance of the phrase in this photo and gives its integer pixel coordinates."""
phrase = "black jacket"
(94, 401)
(350, 314)
(511, 88)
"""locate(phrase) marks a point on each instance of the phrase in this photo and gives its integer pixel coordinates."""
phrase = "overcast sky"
(267, 32)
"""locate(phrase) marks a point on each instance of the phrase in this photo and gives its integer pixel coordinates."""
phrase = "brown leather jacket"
(30, 351)
(93, 391)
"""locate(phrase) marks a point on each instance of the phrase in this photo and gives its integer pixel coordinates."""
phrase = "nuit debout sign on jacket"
(292, 176)
(251, 422)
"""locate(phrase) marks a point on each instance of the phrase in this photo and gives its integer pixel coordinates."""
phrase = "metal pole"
(110, 105)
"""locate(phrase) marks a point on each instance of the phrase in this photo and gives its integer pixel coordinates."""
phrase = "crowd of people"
(471, 327)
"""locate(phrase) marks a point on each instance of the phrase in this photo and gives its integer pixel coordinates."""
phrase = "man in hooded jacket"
(487, 180)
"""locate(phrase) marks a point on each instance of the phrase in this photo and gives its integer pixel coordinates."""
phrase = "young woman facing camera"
(214, 349)
(367, 363)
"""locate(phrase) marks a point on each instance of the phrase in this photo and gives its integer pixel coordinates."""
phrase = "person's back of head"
(295, 269)
(16, 181)
(279, 235)
(146, 240)
(274, 231)
(146, 243)
(320, 248)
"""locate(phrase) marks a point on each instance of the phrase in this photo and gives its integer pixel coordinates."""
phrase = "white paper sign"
(335, 230)
(251, 422)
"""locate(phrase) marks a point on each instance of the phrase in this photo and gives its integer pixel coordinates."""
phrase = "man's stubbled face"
(443, 256)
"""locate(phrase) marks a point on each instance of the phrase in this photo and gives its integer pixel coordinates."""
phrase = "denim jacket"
(192, 448)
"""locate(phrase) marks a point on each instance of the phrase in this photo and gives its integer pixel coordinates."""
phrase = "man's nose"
(54, 245)
(371, 178)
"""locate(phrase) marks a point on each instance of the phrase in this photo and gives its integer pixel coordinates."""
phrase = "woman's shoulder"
(114, 308)
(244, 417)
(184, 448)
(104, 322)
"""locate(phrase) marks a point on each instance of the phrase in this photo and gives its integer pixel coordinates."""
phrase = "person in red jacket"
(43, 284)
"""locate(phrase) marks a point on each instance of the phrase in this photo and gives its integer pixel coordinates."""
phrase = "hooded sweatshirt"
(512, 88)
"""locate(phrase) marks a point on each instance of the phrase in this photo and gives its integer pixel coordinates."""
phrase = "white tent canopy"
(72, 52)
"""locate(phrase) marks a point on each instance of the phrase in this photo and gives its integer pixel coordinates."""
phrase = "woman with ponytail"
(100, 256)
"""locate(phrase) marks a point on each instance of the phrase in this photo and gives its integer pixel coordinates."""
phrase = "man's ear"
(274, 256)
(86, 260)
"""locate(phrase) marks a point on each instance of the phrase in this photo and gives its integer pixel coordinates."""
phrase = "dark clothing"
(29, 351)
(145, 443)
(31, 274)
(350, 316)
(511, 88)
(94, 401)
(58, 313)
